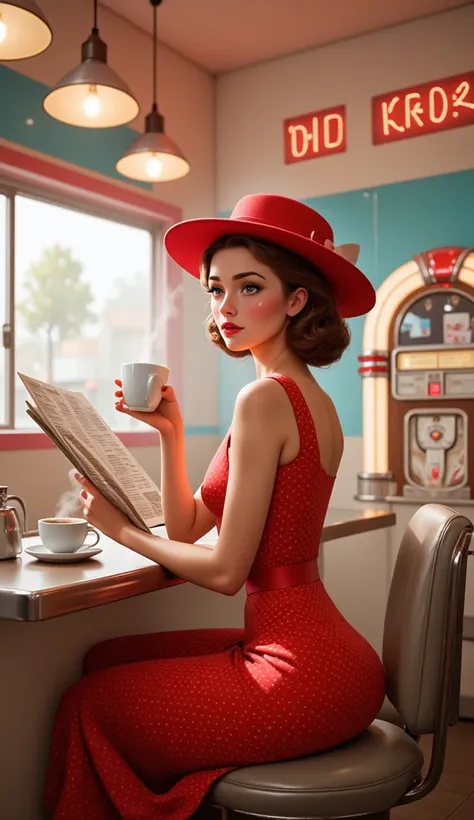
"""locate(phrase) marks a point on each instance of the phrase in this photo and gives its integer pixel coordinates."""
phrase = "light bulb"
(3, 30)
(154, 167)
(92, 104)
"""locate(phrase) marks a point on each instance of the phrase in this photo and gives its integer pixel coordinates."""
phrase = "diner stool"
(382, 767)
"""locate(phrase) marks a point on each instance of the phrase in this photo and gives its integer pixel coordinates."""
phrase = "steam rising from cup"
(69, 504)
(154, 346)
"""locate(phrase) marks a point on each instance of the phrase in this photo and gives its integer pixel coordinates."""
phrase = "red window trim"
(33, 440)
(31, 167)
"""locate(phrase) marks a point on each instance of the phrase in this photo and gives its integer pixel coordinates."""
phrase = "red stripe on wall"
(28, 166)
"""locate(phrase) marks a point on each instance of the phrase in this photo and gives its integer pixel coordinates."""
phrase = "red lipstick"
(229, 329)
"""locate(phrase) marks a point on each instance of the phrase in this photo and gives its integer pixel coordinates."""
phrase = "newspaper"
(77, 429)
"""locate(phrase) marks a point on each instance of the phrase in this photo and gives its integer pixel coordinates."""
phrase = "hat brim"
(353, 292)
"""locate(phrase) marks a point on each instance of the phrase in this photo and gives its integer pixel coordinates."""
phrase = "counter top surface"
(32, 590)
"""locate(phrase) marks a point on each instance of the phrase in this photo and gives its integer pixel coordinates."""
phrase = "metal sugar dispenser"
(10, 527)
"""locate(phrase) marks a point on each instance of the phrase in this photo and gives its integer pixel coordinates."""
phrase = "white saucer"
(42, 553)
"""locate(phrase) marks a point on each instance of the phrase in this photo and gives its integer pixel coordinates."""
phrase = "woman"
(158, 718)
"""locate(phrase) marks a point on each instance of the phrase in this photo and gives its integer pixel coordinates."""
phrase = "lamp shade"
(153, 157)
(92, 95)
(24, 30)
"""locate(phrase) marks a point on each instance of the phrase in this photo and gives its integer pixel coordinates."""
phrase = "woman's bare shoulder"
(260, 395)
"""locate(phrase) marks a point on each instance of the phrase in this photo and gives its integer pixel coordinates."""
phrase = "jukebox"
(418, 381)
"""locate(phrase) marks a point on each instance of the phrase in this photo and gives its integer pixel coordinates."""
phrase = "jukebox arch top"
(419, 356)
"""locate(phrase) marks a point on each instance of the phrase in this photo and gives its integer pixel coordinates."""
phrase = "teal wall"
(98, 150)
(391, 223)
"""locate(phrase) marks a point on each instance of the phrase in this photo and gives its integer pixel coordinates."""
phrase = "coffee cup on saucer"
(63, 535)
(141, 385)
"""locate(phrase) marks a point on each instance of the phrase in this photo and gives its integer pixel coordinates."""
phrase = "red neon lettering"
(413, 112)
(301, 131)
(423, 109)
(328, 119)
(432, 104)
(388, 123)
(462, 89)
(316, 134)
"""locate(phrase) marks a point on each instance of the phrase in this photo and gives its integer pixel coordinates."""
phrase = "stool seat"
(366, 775)
(389, 714)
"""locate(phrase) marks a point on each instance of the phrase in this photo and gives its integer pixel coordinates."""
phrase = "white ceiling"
(222, 35)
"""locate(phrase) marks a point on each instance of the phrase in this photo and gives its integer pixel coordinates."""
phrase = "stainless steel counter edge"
(449, 501)
(18, 604)
(23, 605)
(378, 520)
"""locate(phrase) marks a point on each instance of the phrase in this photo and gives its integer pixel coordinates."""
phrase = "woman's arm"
(186, 516)
(257, 440)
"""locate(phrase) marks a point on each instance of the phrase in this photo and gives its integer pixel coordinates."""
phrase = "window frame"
(29, 173)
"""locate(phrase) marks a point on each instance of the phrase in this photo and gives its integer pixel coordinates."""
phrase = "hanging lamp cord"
(155, 4)
(154, 56)
(95, 30)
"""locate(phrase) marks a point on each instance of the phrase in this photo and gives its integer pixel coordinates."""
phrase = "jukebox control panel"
(432, 373)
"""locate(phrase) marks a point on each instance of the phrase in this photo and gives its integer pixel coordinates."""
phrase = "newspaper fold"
(92, 447)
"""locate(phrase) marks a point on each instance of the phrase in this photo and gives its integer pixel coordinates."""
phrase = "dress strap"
(304, 420)
(287, 575)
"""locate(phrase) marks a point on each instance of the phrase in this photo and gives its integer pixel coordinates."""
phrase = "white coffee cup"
(65, 534)
(141, 385)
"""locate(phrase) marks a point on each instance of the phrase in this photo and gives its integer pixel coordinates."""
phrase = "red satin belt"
(288, 575)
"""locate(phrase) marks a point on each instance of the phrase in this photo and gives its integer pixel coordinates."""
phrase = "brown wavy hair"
(318, 335)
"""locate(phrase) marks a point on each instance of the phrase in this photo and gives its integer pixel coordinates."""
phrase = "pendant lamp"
(153, 157)
(92, 95)
(24, 30)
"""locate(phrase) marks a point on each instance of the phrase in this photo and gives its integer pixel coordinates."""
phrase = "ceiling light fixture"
(92, 95)
(153, 157)
(24, 30)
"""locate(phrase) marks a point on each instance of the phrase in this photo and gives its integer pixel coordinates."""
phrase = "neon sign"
(315, 135)
(423, 109)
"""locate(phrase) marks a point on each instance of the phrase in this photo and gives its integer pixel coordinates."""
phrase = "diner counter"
(32, 590)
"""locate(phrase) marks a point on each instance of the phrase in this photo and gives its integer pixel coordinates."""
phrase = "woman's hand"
(165, 418)
(99, 512)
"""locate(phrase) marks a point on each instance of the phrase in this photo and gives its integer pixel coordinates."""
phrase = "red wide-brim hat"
(290, 224)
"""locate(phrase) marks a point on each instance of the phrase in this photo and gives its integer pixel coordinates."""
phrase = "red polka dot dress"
(157, 718)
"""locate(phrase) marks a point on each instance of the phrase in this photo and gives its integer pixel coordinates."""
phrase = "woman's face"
(248, 301)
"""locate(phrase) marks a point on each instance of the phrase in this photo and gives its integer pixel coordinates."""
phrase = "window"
(83, 303)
